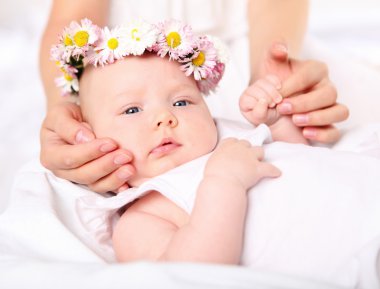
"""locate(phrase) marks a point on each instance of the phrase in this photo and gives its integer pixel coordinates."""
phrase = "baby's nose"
(167, 119)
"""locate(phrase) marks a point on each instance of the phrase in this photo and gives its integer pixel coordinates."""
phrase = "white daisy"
(221, 49)
(202, 62)
(68, 83)
(112, 46)
(65, 48)
(175, 39)
(139, 36)
(82, 36)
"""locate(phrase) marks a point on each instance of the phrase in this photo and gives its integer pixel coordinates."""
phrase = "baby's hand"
(258, 102)
(240, 162)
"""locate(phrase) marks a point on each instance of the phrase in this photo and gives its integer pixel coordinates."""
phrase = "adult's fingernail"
(83, 137)
(301, 119)
(281, 47)
(107, 147)
(123, 174)
(123, 188)
(309, 133)
(285, 107)
(121, 159)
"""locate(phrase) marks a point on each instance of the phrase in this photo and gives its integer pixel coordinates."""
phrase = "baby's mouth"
(166, 146)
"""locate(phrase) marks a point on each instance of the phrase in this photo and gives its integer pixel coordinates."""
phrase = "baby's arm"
(214, 231)
(258, 105)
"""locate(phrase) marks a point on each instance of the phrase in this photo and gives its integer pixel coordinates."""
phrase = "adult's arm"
(68, 146)
(309, 96)
(61, 14)
(275, 20)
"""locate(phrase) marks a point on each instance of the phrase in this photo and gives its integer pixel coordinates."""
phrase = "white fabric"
(319, 220)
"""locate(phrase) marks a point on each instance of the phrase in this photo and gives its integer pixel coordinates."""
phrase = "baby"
(190, 195)
(155, 111)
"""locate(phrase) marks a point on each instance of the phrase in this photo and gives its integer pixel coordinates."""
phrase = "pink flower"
(209, 84)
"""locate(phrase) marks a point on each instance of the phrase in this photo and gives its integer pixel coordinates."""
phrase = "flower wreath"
(84, 43)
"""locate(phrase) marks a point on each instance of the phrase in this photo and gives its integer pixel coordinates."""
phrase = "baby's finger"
(270, 92)
(115, 182)
(259, 152)
(247, 102)
(269, 170)
(260, 111)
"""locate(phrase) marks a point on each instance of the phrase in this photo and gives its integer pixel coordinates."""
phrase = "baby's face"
(151, 108)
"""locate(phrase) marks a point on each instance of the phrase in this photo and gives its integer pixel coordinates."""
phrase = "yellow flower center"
(113, 43)
(67, 77)
(173, 39)
(81, 38)
(67, 41)
(133, 33)
(200, 59)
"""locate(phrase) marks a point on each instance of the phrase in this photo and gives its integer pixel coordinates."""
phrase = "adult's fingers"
(305, 75)
(322, 96)
(66, 121)
(56, 155)
(326, 134)
(115, 181)
(323, 117)
(93, 171)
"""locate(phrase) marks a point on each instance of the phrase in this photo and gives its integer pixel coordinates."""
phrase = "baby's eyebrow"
(128, 93)
(183, 87)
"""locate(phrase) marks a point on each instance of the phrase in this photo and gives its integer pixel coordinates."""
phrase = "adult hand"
(309, 95)
(70, 150)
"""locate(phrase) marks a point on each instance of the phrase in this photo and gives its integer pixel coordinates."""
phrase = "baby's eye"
(131, 110)
(181, 103)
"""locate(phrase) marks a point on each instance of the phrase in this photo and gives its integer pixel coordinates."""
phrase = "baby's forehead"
(145, 69)
(135, 74)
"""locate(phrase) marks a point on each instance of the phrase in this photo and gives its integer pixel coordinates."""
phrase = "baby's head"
(151, 108)
(150, 98)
